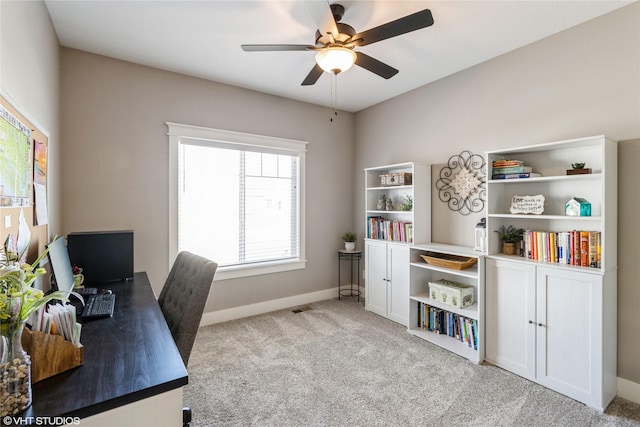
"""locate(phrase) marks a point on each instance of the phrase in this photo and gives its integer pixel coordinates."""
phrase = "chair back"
(183, 298)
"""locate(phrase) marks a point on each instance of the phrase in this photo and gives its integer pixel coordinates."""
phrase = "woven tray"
(453, 262)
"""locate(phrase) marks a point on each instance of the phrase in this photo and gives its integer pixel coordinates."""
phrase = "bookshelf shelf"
(519, 259)
(551, 178)
(550, 321)
(471, 273)
(573, 219)
(420, 302)
(445, 342)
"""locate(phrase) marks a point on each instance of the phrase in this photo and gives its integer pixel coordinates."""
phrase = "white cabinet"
(389, 230)
(569, 335)
(387, 278)
(421, 305)
(548, 325)
(510, 305)
(548, 319)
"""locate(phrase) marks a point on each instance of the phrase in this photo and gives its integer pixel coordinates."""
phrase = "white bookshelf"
(387, 259)
(419, 191)
(554, 323)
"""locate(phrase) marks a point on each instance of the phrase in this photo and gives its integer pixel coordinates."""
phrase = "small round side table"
(352, 289)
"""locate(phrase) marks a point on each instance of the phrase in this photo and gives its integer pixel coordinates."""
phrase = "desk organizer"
(50, 354)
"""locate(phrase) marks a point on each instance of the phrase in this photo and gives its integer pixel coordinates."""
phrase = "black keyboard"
(99, 306)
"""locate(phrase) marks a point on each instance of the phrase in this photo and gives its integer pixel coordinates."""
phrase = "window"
(237, 199)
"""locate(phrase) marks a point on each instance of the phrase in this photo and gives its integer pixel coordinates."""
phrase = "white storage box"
(451, 293)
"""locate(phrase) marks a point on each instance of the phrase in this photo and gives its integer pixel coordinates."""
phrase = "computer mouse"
(107, 292)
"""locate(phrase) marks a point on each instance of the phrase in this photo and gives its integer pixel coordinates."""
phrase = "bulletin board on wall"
(23, 180)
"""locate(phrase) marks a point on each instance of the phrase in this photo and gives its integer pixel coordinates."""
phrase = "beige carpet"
(335, 364)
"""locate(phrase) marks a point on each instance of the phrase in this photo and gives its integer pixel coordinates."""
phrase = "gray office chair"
(183, 297)
(182, 302)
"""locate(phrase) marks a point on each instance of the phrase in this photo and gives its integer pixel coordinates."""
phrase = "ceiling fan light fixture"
(335, 59)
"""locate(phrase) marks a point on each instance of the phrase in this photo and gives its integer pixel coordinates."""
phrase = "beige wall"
(29, 58)
(116, 164)
(584, 81)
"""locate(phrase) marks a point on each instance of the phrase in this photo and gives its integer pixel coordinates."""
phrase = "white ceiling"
(203, 38)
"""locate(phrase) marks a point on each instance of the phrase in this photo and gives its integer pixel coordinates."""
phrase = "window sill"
(234, 272)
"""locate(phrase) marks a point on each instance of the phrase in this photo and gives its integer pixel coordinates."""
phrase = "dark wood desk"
(127, 358)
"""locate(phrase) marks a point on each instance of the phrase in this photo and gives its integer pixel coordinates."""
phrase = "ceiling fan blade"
(313, 76)
(404, 25)
(275, 47)
(375, 66)
(323, 17)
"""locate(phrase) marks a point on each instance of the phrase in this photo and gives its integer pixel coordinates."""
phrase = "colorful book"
(516, 175)
(511, 169)
(584, 248)
(577, 257)
(593, 249)
(506, 162)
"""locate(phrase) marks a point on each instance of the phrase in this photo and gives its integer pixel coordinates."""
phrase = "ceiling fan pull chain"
(334, 97)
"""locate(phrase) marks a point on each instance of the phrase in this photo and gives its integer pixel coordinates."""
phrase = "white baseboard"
(629, 390)
(219, 316)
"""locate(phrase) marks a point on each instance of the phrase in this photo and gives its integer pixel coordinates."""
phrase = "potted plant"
(408, 204)
(349, 238)
(509, 235)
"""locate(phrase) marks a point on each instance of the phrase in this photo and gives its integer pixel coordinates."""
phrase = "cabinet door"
(569, 332)
(510, 315)
(398, 284)
(376, 282)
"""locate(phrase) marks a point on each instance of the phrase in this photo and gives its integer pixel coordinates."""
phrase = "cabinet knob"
(541, 325)
(531, 322)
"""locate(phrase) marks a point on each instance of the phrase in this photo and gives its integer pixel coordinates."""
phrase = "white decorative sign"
(527, 204)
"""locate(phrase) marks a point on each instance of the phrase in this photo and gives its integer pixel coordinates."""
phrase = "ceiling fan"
(335, 41)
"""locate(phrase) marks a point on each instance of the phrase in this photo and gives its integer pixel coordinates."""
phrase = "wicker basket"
(453, 262)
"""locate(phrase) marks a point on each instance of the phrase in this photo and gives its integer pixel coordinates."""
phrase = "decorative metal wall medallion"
(462, 183)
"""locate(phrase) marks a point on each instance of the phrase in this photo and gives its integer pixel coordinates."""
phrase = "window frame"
(177, 132)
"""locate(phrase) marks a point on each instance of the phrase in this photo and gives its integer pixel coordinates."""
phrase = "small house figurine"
(577, 207)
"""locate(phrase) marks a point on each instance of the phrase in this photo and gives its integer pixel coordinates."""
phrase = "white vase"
(349, 246)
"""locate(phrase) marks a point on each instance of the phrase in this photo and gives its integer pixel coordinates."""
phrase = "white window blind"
(239, 200)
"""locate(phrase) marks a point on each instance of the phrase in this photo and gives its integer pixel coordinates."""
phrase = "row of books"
(576, 247)
(387, 229)
(441, 321)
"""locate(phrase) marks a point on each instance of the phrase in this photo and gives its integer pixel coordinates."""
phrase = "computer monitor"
(60, 266)
(104, 256)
